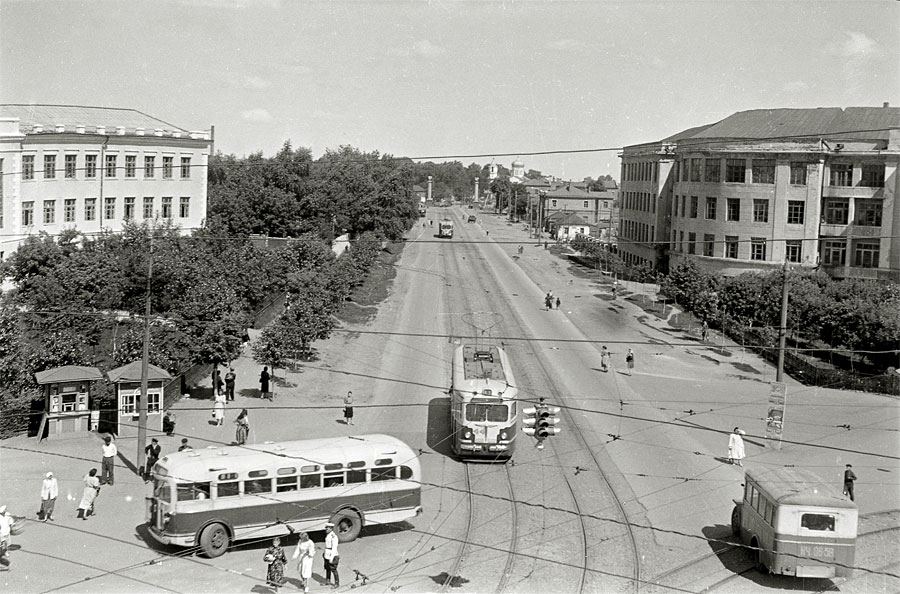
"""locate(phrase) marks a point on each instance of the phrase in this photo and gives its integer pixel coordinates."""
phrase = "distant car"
(471, 218)
(471, 206)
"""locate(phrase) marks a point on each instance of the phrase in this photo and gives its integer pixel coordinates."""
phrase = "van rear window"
(818, 522)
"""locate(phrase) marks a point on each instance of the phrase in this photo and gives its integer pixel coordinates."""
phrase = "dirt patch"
(745, 367)
(362, 306)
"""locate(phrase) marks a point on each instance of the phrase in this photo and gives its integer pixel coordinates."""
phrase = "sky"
(438, 79)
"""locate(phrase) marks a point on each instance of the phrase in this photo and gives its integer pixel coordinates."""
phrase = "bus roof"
(200, 464)
(798, 486)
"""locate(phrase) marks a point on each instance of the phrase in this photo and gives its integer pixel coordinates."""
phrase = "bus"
(445, 228)
(483, 407)
(798, 525)
(210, 498)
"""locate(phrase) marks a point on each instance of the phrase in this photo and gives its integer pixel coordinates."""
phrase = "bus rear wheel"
(736, 521)
(214, 540)
(347, 525)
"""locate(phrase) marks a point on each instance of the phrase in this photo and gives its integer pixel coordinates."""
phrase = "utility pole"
(782, 327)
(145, 367)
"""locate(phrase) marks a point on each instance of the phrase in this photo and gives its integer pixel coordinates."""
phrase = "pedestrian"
(219, 409)
(276, 559)
(736, 446)
(629, 360)
(184, 445)
(348, 408)
(169, 423)
(153, 451)
(89, 495)
(264, 382)
(557, 303)
(704, 331)
(108, 464)
(306, 552)
(487, 233)
(243, 428)
(49, 493)
(604, 358)
(229, 383)
(6, 524)
(331, 556)
(849, 478)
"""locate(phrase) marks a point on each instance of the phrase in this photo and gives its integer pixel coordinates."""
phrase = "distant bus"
(212, 497)
(483, 407)
(800, 525)
(422, 210)
(445, 228)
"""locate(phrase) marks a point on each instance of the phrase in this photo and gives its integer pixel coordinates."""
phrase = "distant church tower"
(493, 171)
(518, 171)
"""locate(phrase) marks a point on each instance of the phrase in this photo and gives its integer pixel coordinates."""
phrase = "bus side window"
(384, 474)
(334, 479)
(405, 472)
(192, 491)
(230, 489)
(310, 481)
(257, 486)
(286, 483)
(754, 499)
(356, 476)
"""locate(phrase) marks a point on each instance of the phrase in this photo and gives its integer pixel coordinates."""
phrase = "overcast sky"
(449, 78)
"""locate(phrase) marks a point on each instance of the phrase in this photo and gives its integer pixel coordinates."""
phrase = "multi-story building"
(812, 187)
(93, 168)
(595, 209)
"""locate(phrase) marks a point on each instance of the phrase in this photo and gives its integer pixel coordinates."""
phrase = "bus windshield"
(493, 413)
(161, 491)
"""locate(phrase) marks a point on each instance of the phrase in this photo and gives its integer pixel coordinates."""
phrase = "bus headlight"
(504, 435)
(467, 434)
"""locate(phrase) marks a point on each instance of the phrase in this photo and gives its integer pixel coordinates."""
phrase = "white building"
(93, 168)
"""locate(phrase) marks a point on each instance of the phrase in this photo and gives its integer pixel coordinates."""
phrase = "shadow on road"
(438, 429)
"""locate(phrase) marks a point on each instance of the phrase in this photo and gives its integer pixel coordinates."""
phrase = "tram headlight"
(467, 434)
(504, 435)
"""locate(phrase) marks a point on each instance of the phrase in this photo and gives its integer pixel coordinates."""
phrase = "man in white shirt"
(6, 522)
(108, 464)
(331, 556)
(49, 493)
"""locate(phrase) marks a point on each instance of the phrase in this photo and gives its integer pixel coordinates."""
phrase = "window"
(713, 170)
(167, 167)
(817, 522)
(734, 170)
(153, 402)
(692, 241)
(69, 210)
(27, 166)
(128, 212)
(834, 252)
(733, 209)
(356, 476)
(387, 473)
(731, 246)
(27, 214)
(757, 248)
(709, 244)
(111, 165)
(683, 205)
(584, 204)
(109, 207)
(90, 166)
(760, 210)
(148, 207)
(71, 166)
(49, 166)
(552, 203)
(184, 208)
(866, 254)
(681, 241)
(49, 212)
(764, 171)
(192, 491)
(841, 174)
(310, 481)
(798, 173)
(406, 472)
(149, 167)
(166, 207)
(486, 412)
(872, 175)
(754, 498)
(229, 489)
(868, 213)
(186, 168)
(128, 404)
(836, 211)
(696, 169)
(90, 209)
(694, 207)
(130, 165)
(796, 212)
(287, 483)
(711, 204)
(255, 486)
(792, 250)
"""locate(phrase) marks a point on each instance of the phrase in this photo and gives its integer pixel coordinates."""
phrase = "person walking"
(736, 446)
(348, 408)
(849, 479)
(331, 556)
(306, 552)
(89, 495)
(264, 378)
(243, 428)
(6, 524)
(219, 409)
(704, 331)
(108, 464)
(153, 450)
(629, 360)
(604, 359)
(276, 559)
(229, 383)
(557, 303)
(168, 423)
(49, 493)
(184, 445)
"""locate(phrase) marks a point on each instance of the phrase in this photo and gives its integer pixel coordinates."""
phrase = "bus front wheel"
(347, 525)
(214, 540)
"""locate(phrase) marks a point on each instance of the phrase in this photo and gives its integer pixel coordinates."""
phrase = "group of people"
(304, 554)
(548, 301)
(605, 359)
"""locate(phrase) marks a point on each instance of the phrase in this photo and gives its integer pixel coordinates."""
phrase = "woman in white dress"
(736, 447)
(219, 408)
(306, 552)
(91, 490)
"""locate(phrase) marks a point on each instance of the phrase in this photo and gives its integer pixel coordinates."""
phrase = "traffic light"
(540, 422)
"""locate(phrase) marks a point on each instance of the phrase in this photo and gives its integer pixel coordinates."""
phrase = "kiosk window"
(818, 522)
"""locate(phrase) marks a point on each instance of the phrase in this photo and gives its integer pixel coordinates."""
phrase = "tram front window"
(492, 413)
(161, 491)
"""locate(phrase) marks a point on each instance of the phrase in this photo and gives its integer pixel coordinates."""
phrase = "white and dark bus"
(445, 228)
(209, 498)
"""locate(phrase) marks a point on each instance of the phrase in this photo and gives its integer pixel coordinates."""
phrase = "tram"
(445, 228)
(483, 408)
(798, 525)
(212, 497)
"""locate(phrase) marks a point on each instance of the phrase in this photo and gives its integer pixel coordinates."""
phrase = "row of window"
(866, 253)
(110, 168)
(643, 201)
(634, 260)
(866, 212)
(640, 171)
(690, 208)
(637, 231)
(129, 208)
(585, 204)
(129, 403)
(762, 171)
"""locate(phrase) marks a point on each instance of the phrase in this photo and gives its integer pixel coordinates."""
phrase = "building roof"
(132, 373)
(418, 189)
(70, 116)
(541, 182)
(604, 195)
(609, 184)
(68, 373)
(570, 219)
(569, 190)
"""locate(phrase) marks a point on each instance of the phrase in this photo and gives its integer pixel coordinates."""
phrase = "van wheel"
(760, 564)
(736, 521)
(214, 540)
(347, 525)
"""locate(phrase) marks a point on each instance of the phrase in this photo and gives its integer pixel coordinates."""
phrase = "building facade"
(92, 169)
(808, 187)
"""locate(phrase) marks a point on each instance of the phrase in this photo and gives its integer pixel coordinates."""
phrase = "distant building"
(596, 209)
(93, 168)
(517, 173)
(812, 187)
(420, 193)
